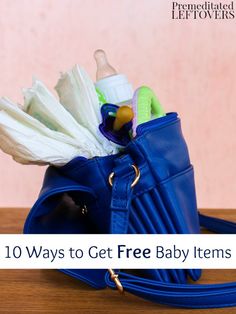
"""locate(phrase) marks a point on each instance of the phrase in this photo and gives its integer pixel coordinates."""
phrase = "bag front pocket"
(178, 195)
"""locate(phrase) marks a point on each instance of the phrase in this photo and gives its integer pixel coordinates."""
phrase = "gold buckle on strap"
(136, 179)
(116, 280)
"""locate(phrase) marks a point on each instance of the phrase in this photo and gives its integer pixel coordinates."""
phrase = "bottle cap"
(116, 89)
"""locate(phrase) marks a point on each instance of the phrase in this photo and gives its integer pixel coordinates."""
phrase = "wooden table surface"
(49, 291)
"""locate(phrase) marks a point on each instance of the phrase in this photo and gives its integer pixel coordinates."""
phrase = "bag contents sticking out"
(29, 146)
(78, 95)
(21, 116)
(146, 106)
(42, 105)
(115, 87)
(44, 132)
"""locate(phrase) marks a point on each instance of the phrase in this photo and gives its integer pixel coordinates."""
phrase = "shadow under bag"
(148, 188)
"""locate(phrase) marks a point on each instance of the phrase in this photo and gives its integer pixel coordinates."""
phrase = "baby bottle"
(115, 87)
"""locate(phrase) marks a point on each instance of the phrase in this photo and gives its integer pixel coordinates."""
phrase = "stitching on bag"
(103, 174)
(189, 169)
(88, 162)
(119, 213)
(163, 181)
(119, 199)
(140, 138)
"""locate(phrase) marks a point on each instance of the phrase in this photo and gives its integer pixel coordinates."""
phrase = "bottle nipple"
(123, 115)
(104, 69)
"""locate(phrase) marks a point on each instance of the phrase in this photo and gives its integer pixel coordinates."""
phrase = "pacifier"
(116, 123)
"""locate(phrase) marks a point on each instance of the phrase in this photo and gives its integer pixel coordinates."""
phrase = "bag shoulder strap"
(184, 295)
(217, 225)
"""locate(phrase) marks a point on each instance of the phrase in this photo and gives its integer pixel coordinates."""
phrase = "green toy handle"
(146, 106)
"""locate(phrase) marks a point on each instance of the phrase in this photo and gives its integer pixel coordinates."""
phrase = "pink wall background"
(190, 64)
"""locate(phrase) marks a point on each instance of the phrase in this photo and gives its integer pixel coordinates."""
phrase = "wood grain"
(49, 291)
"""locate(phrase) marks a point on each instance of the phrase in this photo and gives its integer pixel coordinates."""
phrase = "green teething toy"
(146, 106)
